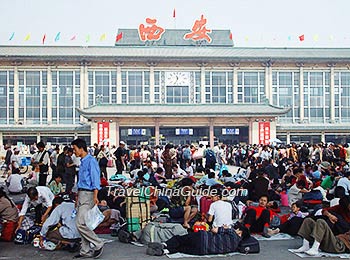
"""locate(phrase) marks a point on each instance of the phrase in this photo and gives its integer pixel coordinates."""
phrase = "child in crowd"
(160, 175)
(55, 185)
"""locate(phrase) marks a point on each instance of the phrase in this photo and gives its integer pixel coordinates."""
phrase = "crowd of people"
(312, 181)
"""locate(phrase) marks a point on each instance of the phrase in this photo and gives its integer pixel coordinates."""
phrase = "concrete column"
(151, 85)
(117, 133)
(235, 85)
(49, 95)
(255, 132)
(112, 133)
(301, 93)
(332, 96)
(250, 131)
(86, 87)
(119, 86)
(203, 85)
(288, 138)
(94, 133)
(273, 130)
(157, 134)
(38, 138)
(1, 141)
(268, 83)
(323, 137)
(211, 132)
(16, 96)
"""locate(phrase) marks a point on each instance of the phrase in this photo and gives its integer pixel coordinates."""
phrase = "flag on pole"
(73, 38)
(315, 37)
(174, 13)
(44, 38)
(58, 36)
(103, 37)
(87, 38)
(289, 38)
(119, 37)
(27, 38)
(11, 37)
(302, 37)
(231, 36)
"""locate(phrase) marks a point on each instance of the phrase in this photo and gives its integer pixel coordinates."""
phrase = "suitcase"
(249, 246)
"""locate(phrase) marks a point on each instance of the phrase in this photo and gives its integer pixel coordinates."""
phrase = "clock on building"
(177, 78)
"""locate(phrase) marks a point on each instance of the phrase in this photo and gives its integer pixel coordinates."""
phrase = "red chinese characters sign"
(103, 133)
(151, 31)
(199, 31)
(264, 132)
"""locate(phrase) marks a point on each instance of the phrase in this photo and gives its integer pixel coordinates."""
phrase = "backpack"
(187, 154)
(23, 237)
(161, 232)
(210, 156)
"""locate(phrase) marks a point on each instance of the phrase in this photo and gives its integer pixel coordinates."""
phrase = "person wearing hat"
(15, 159)
(120, 157)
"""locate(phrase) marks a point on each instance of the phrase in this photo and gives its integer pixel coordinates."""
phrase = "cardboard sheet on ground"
(279, 236)
(321, 254)
(181, 255)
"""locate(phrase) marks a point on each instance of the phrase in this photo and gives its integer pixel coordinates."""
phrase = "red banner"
(264, 132)
(103, 133)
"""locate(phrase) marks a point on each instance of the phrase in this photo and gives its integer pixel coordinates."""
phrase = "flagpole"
(174, 16)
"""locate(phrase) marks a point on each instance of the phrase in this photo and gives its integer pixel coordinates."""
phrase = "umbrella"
(275, 140)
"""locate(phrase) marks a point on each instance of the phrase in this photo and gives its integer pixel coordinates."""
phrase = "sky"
(253, 23)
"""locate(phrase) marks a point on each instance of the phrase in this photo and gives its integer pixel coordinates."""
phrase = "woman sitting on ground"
(294, 222)
(8, 217)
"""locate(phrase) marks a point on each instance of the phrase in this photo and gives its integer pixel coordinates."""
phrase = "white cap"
(121, 142)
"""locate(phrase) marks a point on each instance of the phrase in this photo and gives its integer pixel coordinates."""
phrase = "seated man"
(184, 206)
(64, 214)
(220, 212)
(178, 172)
(41, 197)
(257, 218)
(323, 236)
(202, 242)
(15, 182)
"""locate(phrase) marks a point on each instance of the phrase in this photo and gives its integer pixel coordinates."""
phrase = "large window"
(33, 97)
(65, 96)
(285, 93)
(218, 87)
(342, 96)
(177, 94)
(6, 97)
(135, 87)
(316, 96)
(251, 87)
(102, 87)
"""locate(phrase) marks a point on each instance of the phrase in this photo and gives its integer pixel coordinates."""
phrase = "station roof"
(181, 110)
(172, 53)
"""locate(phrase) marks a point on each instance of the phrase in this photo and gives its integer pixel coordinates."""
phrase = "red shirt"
(340, 211)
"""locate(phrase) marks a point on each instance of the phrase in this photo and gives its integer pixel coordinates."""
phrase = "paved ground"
(116, 250)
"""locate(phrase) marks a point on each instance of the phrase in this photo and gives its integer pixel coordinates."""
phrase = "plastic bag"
(93, 218)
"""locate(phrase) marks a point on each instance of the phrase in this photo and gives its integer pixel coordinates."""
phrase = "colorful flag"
(87, 38)
(73, 38)
(174, 13)
(44, 38)
(58, 36)
(231, 36)
(316, 37)
(103, 37)
(27, 38)
(302, 37)
(11, 37)
(331, 37)
(246, 38)
(289, 38)
(119, 37)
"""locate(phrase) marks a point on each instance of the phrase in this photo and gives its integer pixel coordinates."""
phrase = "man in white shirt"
(219, 211)
(295, 192)
(15, 159)
(43, 159)
(178, 172)
(345, 183)
(41, 198)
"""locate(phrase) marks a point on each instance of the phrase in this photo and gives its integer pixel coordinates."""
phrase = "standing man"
(88, 186)
(120, 157)
(42, 158)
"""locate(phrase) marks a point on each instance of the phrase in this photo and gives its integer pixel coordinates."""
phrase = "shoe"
(98, 253)
(154, 252)
(156, 245)
(80, 256)
(265, 233)
(312, 252)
